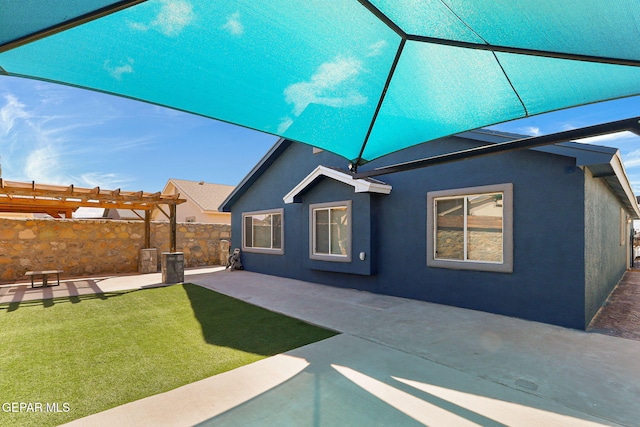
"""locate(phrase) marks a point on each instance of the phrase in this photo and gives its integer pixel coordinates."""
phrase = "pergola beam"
(31, 197)
(68, 204)
(55, 201)
(73, 194)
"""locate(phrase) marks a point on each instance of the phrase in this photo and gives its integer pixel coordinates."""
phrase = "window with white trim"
(263, 231)
(330, 231)
(471, 228)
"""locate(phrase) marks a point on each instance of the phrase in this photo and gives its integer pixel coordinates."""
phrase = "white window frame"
(506, 266)
(312, 232)
(271, 251)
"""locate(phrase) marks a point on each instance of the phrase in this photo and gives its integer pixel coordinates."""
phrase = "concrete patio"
(397, 362)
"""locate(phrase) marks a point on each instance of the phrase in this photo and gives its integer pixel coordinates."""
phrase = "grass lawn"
(88, 354)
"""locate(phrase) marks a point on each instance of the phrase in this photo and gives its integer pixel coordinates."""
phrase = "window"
(190, 219)
(471, 228)
(330, 231)
(263, 231)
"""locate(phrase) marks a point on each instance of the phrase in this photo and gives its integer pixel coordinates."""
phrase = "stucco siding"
(605, 257)
(547, 283)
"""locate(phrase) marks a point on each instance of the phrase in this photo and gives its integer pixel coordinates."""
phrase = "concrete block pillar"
(148, 261)
(223, 252)
(172, 264)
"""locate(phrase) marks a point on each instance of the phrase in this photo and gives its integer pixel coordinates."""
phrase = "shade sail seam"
(515, 91)
(384, 18)
(463, 22)
(525, 51)
(524, 107)
(380, 102)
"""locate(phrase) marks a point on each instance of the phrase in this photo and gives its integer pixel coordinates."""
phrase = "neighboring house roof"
(206, 196)
(123, 214)
(603, 162)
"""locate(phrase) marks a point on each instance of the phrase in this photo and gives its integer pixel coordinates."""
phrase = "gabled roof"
(206, 196)
(128, 214)
(255, 173)
(603, 162)
(365, 185)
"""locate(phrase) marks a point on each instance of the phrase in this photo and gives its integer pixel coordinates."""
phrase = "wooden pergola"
(60, 201)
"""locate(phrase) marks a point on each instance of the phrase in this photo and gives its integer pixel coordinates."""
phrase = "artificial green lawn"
(98, 352)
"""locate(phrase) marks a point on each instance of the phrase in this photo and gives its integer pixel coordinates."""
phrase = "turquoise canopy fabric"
(358, 78)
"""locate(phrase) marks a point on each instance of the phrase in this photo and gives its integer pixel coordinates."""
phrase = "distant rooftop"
(206, 195)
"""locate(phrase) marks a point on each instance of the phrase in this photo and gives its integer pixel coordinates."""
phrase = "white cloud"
(139, 26)
(608, 138)
(109, 181)
(43, 165)
(377, 48)
(173, 17)
(632, 159)
(117, 71)
(13, 110)
(43, 139)
(284, 125)
(233, 25)
(530, 130)
(331, 85)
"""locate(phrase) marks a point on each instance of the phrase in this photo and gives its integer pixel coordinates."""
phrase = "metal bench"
(45, 274)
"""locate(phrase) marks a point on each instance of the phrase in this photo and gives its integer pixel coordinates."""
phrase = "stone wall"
(88, 247)
(482, 245)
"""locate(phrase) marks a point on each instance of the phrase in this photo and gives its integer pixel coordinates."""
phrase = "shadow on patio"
(350, 381)
(69, 291)
(232, 323)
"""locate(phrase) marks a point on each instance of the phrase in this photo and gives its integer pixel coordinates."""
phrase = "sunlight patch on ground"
(410, 405)
(508, 413)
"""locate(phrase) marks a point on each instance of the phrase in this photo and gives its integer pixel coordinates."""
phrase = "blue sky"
(62, 135)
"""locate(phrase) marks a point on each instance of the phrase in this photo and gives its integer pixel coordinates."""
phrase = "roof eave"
(264, 163)
(622, 186)
(359, 185)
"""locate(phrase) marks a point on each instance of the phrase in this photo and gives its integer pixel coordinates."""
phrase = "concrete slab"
(344, 380)
(401, 362)
(72, 287)
(592, 373)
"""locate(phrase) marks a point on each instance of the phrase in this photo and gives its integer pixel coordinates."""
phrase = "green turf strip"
(88, 354)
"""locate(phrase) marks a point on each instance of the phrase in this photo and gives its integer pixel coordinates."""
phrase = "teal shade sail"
(23, 18)
(359, 78)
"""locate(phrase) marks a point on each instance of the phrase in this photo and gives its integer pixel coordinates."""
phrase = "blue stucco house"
(540, 234)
